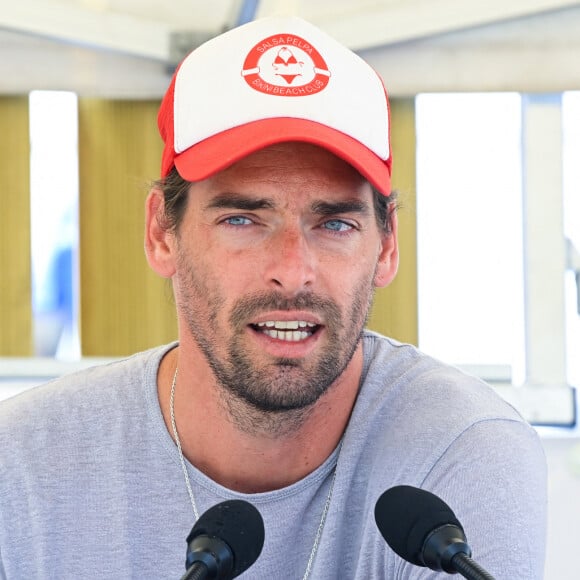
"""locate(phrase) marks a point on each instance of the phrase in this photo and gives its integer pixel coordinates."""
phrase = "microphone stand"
(468, 568)
(197, 571)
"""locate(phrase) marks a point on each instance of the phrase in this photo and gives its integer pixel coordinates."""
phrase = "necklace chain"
(192, 497)
(178, 442)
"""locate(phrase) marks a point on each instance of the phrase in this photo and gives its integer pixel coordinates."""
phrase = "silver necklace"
(192, 498)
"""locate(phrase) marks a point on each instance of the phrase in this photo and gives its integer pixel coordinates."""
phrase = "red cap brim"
(215, 153)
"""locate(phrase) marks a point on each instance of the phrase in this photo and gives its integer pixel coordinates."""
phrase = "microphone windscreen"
(406, 515)
(239, 524)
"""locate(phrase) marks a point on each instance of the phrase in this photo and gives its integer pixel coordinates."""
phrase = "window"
(54, 222)
(469, 215)
(471, 202)
(571, 154)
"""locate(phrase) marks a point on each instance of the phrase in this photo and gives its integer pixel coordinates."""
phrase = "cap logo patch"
(285, 65)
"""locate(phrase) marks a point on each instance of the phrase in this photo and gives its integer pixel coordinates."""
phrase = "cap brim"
(215, 153)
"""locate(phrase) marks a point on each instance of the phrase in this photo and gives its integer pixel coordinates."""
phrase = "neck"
(247, 450)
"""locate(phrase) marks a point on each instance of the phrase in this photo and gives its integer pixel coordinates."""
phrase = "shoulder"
(400, 374)
(420, 422)
(81, 398)
(415, 412)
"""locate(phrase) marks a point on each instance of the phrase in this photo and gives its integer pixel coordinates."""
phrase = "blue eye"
(238, 220)
(337, 226)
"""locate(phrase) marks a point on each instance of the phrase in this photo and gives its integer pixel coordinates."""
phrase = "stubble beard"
(274, 399)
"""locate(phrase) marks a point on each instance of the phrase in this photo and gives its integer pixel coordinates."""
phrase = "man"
(275, 221)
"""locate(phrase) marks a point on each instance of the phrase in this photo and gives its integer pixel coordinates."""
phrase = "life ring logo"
(285, 65)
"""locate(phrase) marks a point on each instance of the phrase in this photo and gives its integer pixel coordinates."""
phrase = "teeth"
(286, 324)
(294, 336)
(288, 330)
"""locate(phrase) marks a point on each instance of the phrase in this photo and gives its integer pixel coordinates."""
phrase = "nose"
(290, 262)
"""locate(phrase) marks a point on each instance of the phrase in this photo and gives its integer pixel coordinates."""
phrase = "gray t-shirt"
(91, 484)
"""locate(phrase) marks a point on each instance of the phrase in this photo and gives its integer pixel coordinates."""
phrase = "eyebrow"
(322, 208)
(237, 201)
(326, 208)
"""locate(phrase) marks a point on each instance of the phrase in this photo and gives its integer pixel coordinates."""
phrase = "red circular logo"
(285, 65)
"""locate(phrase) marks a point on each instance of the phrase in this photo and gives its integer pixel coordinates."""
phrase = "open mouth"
(287, 330)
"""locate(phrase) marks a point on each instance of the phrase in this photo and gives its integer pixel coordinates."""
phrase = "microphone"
(225, 541)
(422, 529)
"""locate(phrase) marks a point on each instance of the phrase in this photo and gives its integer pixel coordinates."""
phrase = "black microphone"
(225, 541)
(422, 529)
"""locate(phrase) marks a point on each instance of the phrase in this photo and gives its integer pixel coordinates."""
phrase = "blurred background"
(485, 114)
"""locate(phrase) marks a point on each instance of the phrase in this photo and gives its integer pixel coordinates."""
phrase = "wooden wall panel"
(125, 307)
(15, 276)
(394, 310)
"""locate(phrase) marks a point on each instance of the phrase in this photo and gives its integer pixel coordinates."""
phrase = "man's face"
(276, 261)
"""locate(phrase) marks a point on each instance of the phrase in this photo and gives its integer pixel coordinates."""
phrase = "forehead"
(292, 168)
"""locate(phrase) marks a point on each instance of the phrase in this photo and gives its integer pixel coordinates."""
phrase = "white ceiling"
(123, 48)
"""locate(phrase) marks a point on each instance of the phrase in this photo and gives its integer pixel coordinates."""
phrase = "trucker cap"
(269, 81)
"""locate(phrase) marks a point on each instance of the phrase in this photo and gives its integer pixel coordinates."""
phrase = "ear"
(388, 262)
(159, 242)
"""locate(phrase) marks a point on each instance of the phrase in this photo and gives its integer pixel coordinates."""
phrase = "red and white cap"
(269, 81)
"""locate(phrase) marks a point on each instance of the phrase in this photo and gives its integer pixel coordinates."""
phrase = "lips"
(286, 330)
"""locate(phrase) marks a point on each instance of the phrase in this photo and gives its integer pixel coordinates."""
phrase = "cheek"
(349, 287)
(193, 283)
(209, 289)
